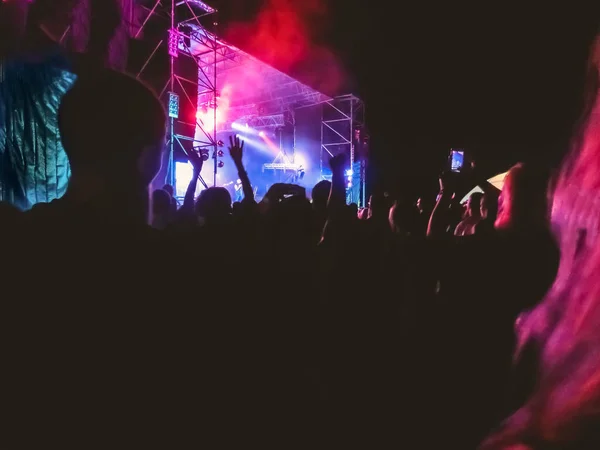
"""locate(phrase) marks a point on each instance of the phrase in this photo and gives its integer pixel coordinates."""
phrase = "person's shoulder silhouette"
(90, 316)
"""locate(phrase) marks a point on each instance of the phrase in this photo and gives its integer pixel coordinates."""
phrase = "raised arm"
(335, 229)
(236, 150)
(437, 221)
(337, 195)
(188, 201)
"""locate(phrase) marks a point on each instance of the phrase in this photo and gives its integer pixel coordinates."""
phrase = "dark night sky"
(504, 82)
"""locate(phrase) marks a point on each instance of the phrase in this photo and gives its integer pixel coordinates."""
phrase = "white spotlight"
(299, 160)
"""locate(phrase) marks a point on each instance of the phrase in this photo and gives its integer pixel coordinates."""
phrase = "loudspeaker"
(186, 87)
(155, 72)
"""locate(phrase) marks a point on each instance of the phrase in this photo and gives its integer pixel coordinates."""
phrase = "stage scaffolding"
(343, 131)
(189, 38)
(262, 107)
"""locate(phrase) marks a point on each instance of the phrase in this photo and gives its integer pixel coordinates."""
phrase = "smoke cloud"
(284, 34)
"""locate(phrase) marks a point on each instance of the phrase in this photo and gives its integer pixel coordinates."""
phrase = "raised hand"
(448, 181)
(236, 149)
(338, 162)
(196, 161)
(276, 192)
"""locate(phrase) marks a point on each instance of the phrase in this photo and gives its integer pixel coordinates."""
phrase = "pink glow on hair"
(567, 323)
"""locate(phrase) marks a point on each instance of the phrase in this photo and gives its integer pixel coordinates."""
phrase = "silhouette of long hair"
(564, 409)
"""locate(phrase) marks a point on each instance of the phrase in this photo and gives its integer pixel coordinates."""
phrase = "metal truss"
(277, 93)
(261, 106)
(185, 37)
(256, 122)
(287, 170)
(342, 123)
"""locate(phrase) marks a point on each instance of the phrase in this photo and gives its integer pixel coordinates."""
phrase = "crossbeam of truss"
(261, 105)
(256, 122)
(342, 122)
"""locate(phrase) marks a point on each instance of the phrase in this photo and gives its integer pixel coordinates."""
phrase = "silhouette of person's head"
(379, 206)
(320, 195)
(523, 203)
(474, 204)
(161, 202)
(8, 213)
(291, 221)
(169, 189)
(489, 207)
(112, 128)
(404, 218)
(214, 204)
(353, 210)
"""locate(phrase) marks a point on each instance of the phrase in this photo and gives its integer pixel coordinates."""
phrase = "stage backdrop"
(34, 75)
(33, 164)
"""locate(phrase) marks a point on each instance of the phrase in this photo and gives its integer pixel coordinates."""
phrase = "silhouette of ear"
(150, 163)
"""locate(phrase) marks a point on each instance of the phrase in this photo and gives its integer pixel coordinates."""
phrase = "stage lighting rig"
(186, 32)
(220, 164)
(173, 105)
(173, 43)
(203, 6)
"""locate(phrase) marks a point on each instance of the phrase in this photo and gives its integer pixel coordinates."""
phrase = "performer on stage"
(239, 191)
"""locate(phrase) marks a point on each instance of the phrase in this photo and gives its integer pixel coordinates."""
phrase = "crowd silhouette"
(249, 324)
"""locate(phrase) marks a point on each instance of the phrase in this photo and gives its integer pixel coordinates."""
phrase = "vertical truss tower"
(343, 131)
(188, 37)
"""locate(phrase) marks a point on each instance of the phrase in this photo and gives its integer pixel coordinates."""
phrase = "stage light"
(220, 164)
(173, 43)
(261, 134)
(349, 174)
(203, 6)
(186, 31)
(204, 154)
(247, 126)
(220, 153)
(299, 160)
(173, 105)
(183, 175)
(220, 143)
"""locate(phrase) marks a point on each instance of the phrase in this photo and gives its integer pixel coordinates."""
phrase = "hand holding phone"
(457, 159)
(294, 189)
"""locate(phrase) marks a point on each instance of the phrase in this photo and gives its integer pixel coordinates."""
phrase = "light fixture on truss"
(173, 105)
(200, 4)
(173, 43)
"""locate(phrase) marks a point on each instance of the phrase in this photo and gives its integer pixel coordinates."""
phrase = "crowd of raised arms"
(295, 322)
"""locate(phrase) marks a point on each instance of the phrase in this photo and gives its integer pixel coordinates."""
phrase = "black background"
(502, 80)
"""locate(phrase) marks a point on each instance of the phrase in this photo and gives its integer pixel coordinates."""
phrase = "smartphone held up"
(456, 159)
